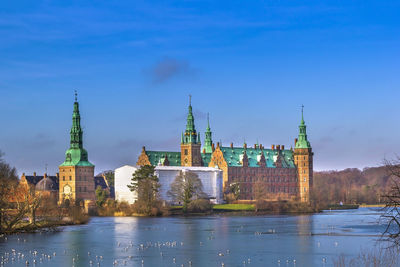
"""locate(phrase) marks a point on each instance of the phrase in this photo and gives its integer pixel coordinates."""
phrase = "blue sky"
(251, 64)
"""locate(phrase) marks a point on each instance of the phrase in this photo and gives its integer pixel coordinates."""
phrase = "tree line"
(352, 186)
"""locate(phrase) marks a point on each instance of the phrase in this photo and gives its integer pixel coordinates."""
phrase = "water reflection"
(305, 240)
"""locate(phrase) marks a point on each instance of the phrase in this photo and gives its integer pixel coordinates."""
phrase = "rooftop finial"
(76, 96)
(190, 100)
(302, 111)
(208, 119)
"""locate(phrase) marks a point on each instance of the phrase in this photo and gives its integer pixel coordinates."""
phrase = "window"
(63, 178)
(186, 151)
(305, 179)
(85, 189)
(70, 178)
(305, 189)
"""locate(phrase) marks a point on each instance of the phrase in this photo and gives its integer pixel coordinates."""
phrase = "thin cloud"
(169, 68)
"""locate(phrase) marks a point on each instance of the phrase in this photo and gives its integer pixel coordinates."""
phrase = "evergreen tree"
(101, 196)
(146, 184)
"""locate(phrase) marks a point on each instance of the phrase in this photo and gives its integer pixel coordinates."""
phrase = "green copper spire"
(76, 130)
(208, 139)
(190, 136)
(302, 141)
(76, 155)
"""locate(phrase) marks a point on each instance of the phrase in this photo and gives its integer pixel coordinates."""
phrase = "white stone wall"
(123, 176)
(211, 179)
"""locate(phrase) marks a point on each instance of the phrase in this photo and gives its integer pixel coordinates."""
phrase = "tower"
(303, 159)
(76, 182)
(208, 137)
(190, 142)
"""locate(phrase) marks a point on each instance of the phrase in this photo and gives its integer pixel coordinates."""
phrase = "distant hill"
(352, 185)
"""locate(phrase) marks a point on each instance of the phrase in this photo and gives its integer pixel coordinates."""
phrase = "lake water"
(301, 240)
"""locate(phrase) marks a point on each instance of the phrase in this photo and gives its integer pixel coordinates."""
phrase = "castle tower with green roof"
(208, 137)
(190, 142)
(76, 172)
(303, 158)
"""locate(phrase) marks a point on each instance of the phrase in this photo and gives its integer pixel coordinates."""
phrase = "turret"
(303, 158)
(208, 137)
(190, 142)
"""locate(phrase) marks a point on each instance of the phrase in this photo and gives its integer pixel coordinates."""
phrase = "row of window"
(82, 189)
(266, 179)
(254, 171)
(273, 189)
(77, 178)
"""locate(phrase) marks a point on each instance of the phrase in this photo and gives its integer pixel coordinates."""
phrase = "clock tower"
(190, 142)
(76, 178)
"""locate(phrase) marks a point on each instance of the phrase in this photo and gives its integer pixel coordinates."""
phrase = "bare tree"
(186, 187)
(392, 212)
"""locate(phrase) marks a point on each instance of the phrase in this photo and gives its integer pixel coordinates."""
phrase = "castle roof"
(158, 157)
(46, 184)
(34, 180)
(234, 155)
(76, 155)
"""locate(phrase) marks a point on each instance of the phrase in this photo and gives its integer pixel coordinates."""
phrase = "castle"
(275, 173)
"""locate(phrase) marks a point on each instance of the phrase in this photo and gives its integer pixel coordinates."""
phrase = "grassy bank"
(233, 207)
(342, 207)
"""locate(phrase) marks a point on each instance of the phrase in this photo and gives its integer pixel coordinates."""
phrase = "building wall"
(76, 183)
(211, 179)
(123, 176)
(190, 155)
(303, 158)
(265, 183)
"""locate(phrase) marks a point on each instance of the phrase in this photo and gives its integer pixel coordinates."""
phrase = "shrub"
(200, 205)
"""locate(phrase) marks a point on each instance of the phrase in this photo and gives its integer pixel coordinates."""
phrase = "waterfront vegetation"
(234, 207)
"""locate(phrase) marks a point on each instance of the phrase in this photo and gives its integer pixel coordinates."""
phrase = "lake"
(221, 240)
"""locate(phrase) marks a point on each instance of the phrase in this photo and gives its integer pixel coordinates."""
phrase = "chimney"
(213, 147)
(283, 147)
(295, 141)
(57, 175)
(245, 145)
(34, 174)
(273, 147)
(231, 145)
(217, 144)
(278, 147)
(44, 175)
(255, 146)
(261, 147)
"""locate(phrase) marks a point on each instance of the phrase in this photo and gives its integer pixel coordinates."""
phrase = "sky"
(250, 64)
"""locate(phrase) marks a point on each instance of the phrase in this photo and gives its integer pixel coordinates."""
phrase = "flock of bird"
(13, 257)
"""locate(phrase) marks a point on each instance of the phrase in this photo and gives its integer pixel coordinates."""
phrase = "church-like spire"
(208, 137)
(76, 130)
(190, 132)
(76, 154)
(302, 141)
